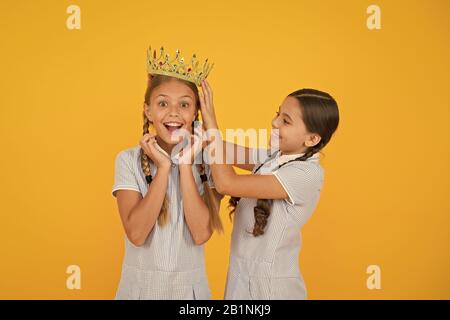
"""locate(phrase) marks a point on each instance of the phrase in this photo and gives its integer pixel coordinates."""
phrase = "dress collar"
(282, 159)
(162, 150)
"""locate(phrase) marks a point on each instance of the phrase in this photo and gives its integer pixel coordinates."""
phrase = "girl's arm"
(139, 214)
(225, 179)
(245, 161)
(230, 150)
(196, 211)
(246, 186)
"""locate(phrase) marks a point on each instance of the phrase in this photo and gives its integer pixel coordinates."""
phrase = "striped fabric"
(169, 265)
(266, 267)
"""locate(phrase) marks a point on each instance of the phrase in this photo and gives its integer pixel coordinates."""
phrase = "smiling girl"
(168, 208)
(272, 204)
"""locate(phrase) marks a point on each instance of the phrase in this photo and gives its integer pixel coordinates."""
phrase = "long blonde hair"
(209, 196)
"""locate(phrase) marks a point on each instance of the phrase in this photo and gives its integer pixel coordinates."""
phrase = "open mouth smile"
(172, 126)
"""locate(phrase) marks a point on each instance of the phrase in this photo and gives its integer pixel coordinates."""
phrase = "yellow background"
(72, 99)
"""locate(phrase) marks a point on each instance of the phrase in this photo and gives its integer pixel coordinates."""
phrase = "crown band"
(191, 72)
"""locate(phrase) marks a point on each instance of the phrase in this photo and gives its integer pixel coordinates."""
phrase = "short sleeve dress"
(266, 267)
(169, 265)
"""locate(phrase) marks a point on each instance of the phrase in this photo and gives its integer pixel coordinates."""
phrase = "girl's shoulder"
(127, 175)
(302, 180)
(131, 151)
(311, 167)
(129, 155)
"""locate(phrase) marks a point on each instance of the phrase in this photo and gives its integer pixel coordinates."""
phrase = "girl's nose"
(275, 123)
(173, 110)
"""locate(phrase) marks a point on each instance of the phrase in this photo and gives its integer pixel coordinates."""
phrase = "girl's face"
(172, 107)
(293, 136)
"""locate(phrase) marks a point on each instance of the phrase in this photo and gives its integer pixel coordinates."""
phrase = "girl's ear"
(147, 112)
(313, 140)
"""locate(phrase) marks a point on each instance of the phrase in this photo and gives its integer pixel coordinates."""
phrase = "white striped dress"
(168, 265)
(266, 267)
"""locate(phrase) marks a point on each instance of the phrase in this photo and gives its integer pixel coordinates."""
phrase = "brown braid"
(163, 217)
(263, 206)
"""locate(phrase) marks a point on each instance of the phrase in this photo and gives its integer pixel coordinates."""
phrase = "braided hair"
(163, 217)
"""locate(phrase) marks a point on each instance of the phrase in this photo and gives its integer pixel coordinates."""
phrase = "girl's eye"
(184, 104)
(284, 120)
(162, 104)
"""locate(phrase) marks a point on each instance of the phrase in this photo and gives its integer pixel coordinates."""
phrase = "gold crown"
(177, 68)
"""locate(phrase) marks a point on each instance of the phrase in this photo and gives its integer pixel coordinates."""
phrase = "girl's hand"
(147, 143)
(193, 147)
(207, 107)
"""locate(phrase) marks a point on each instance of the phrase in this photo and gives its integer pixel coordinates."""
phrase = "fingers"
(147, 143)
(188, 153)
(196, 146)
(201, 136)
(151, 145)
(202, 101)
(206, 93)
(198, 130)
(209, 89)
(144, 147)
(146, 137)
